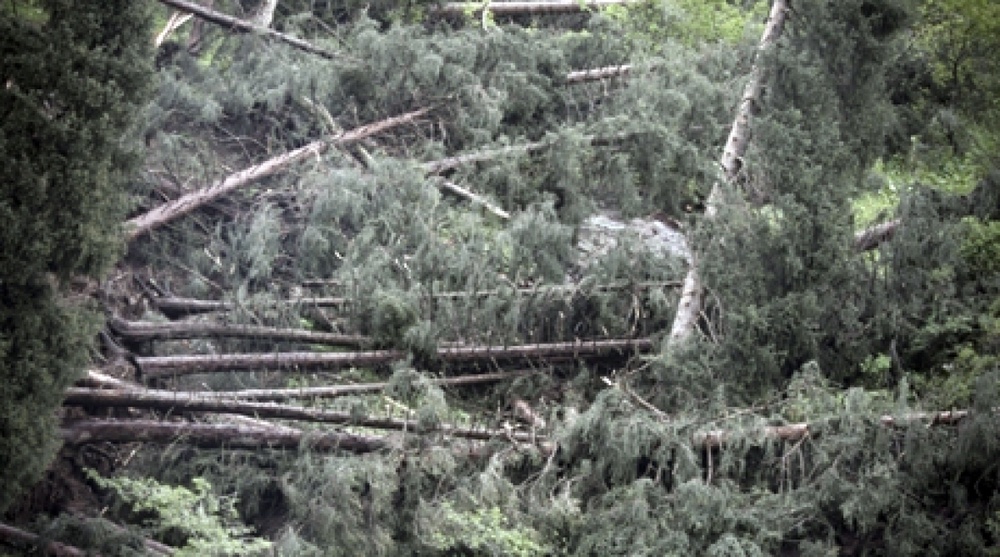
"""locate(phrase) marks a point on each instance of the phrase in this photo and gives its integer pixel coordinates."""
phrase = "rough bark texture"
(237, 24)
(526, 8)
(160, 366)
(689, 307)
(195, 402)
(179, 207)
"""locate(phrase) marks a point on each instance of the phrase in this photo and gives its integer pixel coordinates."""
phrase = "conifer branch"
(689, 307)
(241, 26)
(525, 8)
(165, 366)
(179, 207)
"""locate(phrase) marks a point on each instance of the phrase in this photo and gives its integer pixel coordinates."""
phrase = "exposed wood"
(18, 536)
(525, 8)
(239, 25)
(874, 236)
(179, 207)
(160, 366)
(176, 20)
(145, 331)
(195, 402)
(99, 380)
(598, 74)
(475, 198)
(527, 414)
(79, 432)
(689, 307)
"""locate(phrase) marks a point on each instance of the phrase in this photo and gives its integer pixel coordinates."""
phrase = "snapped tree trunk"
(689, 307)
(179, 207)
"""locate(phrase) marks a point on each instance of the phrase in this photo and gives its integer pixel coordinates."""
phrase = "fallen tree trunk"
(97, 380)
(524, 8)
(195, 402)
(597, 74)
(18, 536)
(146, 331)
(179, 207)
(79, 432)
(239, 25)
(689, 307)
(161, 366)
(874, 236)
(178, 307)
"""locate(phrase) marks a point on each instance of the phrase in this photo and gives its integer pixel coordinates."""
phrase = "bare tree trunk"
(145, 331)
(179, 207)
(597, 74)
(196, 402)
(689, 307)
(19, 536)
(204, 435)
(161, 366)
(525, 8)
(239, 25)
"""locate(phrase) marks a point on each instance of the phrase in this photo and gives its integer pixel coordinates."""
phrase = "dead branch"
(179, 207)
(241, 26)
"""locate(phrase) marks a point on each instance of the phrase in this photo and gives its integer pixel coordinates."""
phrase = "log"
(147, 331)
(195, 402)
(689, 307)
(475, 198)
(80, 432)
(174, 307)
(598, 74)
(874, 236)
(18, 536)
(525, 8)
(241, 26)
(170, 211)
(162, 366)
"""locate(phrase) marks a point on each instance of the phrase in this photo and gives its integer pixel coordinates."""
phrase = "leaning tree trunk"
(689, 307)
(179, 207)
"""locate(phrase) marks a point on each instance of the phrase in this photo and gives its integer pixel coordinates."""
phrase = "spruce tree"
(74, 75)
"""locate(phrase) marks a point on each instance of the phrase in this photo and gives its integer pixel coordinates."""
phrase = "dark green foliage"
(73, 75)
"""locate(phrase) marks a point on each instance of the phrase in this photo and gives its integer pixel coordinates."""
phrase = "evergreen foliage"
(73, 75)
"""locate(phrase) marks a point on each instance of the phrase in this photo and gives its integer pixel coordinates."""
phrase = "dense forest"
(500, 278)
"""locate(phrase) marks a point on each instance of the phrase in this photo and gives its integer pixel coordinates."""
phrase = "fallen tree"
(147, 331)
(170, 211)
(196, 402)
(162, 366)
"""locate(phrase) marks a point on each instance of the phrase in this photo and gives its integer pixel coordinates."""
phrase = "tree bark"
(525, 8)
(239, 25)
(179, 207)
(146, 331)
(160, 366)
(196, 402)
(689, 307)
(204, 435)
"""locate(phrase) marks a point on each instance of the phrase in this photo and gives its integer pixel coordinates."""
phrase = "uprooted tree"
(563, 278)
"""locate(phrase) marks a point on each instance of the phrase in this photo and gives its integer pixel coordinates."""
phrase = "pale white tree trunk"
(689, 307)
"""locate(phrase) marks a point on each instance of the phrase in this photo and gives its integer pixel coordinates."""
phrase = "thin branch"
(239, 25)
(475, 198)
(16, 535)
